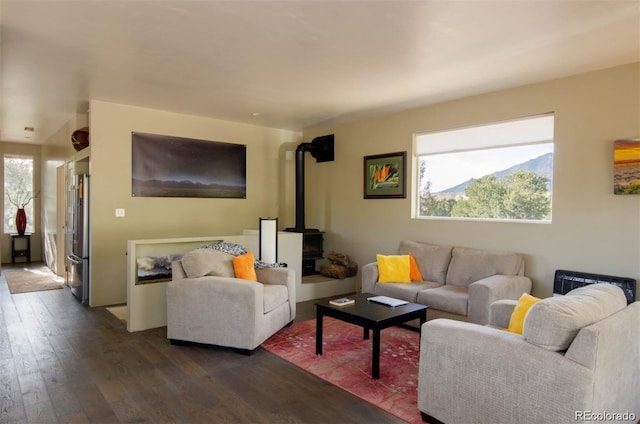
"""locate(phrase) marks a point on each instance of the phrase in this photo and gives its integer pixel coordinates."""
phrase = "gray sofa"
(207, 304)
(578, 357)
(461, 283)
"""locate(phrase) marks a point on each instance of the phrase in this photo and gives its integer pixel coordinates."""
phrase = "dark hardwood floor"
(61, 362)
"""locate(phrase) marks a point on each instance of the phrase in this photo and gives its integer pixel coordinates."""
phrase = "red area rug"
(346, 362)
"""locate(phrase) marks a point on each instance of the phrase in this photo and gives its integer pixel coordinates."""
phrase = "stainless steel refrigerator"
(78, 238)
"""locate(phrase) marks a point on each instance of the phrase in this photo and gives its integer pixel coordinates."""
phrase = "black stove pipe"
(300, 150)
(321, 149)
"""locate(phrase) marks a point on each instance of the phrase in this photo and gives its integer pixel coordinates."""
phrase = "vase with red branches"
(20, 199)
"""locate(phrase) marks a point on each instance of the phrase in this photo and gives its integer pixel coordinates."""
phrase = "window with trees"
(499, 171)
(18, 190)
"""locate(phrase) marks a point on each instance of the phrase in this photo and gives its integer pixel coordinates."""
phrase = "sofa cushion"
(274, 296)
(244, 267)
(469, 265)
(433, 260)
(516, 321)
(201, 262)
(452, 299)
(393, 268)
(408, 292)
(553, 323)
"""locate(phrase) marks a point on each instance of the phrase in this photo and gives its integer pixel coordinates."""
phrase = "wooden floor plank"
(41, 412)
(33, 389)
(65, 403)
(11, 407)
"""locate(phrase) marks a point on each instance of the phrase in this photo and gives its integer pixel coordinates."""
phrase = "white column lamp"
(268, 240)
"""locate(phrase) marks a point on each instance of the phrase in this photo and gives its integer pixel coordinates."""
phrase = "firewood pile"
(341, 266)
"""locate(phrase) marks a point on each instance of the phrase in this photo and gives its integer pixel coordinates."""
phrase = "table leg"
(365, 334)
(423, 319)
(319, 316)
(375, 355)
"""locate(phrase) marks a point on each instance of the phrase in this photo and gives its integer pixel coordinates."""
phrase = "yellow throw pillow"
(516, 323)
(244, 267)
(414, 270)
(393, 268)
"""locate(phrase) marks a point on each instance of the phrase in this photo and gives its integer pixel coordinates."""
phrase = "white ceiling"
(297, 63)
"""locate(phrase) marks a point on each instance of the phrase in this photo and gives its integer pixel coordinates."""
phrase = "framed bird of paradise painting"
(385, 176)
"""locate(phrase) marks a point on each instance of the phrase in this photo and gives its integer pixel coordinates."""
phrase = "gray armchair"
(578, 355)
(223, 310)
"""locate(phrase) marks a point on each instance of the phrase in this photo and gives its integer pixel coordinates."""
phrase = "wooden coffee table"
(369, 316)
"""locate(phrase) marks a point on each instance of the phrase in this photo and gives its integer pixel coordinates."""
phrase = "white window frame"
(527, 131)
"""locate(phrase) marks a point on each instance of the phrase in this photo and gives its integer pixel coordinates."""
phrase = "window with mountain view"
(499, 171)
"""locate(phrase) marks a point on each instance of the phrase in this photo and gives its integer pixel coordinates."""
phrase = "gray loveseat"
(460, 283)
(578, 360)
(207, 304)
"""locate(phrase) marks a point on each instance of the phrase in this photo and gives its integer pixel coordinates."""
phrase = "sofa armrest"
(281, 276)
(500, 312)
(177, 270)
(284, 277)
(369, 277)
(483, 293)
(474, 373)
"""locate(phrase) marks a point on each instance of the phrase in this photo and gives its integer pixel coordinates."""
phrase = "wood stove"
(321, 148)
(312, 243)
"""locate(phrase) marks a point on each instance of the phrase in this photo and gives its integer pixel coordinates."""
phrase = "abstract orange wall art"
(626, 166)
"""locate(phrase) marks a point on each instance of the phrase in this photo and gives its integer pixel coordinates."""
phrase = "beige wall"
(592, 229)
(111, 126)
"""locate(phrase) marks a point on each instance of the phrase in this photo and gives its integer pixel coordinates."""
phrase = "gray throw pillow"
(201, 262)
(554, 322)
